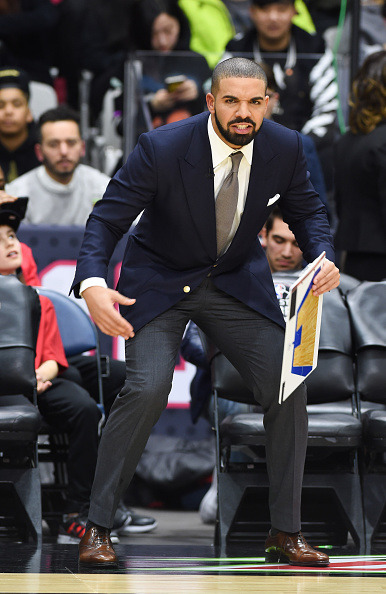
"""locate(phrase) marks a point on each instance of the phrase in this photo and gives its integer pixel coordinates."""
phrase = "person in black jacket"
(18, 134)
(360, 175)
(303, 69)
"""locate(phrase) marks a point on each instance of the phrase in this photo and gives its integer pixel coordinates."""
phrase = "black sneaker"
(127, 522)
(72, 529)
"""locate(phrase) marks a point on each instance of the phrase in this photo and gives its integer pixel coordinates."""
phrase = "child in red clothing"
(62, 403)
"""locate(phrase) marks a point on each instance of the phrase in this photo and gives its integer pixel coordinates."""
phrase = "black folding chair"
(20, 501)
(367, 307)
(331, 487)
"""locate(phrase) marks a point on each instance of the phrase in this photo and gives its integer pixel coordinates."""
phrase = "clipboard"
(301, 339)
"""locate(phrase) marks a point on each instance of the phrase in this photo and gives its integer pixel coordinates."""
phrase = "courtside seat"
(334, 438)
(20, 502)
(367, 307)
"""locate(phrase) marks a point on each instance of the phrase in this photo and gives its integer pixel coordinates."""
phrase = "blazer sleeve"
(305, 214)
(129, 192)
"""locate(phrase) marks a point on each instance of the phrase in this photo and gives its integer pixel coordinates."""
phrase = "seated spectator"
(281, 248)
(211, 27)
(360, 175)
(26, 27)
(308, 88)
(62, 403)
(62, 191)
(17, 129)
(162, 26)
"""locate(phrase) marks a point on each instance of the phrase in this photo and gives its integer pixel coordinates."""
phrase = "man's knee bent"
(145, 394)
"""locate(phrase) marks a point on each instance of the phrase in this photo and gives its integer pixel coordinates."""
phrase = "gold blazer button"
(186, 289)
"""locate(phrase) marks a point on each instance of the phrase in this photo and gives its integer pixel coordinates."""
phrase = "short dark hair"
(57, 114)
(237, 68)
(273, 215)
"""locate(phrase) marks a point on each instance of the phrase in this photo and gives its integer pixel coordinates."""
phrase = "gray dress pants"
(254, 345)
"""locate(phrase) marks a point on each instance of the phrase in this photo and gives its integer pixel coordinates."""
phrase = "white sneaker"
(208, 505)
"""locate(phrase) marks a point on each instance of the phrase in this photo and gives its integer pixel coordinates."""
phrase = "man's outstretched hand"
(100, 302)
(326, 279)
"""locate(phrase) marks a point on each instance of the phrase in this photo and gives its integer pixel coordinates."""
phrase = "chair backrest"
(19, 324)
(77, 330)
(367, 308)
(333, 379)
(43, 97)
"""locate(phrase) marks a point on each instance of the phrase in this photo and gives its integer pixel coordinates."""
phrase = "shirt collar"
(220, 150)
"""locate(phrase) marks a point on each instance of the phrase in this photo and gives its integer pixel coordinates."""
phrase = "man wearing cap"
(307, 85)
(17, 129)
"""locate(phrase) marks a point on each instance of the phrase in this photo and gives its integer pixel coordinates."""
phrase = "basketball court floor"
(179, 557)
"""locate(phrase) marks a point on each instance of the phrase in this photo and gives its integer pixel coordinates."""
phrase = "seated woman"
(163, 27)
(160, 33)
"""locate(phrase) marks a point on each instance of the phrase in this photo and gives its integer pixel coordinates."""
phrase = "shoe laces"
(301, 540)
(101, 537)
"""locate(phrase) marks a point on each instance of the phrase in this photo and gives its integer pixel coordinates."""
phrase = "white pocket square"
(273, 199)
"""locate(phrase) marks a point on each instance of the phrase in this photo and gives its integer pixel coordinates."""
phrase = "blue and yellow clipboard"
(301, 340)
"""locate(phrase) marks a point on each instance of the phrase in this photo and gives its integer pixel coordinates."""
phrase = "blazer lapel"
(198, 180)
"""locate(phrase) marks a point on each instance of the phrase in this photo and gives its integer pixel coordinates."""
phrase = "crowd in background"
(299, 42)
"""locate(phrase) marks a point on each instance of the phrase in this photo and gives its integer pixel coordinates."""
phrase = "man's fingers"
(112, 323)
(100, 302)
(121, 299)
(327, 279)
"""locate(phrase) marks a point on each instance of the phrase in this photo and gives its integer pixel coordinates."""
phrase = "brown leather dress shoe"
(96, 549)
(293, 549)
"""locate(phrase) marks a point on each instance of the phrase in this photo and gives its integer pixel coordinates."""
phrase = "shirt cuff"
(93, 281)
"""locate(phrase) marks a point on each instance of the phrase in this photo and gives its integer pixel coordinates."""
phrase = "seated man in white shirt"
(62, 191)
(281, 248)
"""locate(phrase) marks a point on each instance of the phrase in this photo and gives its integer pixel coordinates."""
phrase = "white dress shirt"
(222, 164)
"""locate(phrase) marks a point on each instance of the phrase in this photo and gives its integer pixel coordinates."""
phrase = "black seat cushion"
(329, 430)
(343, 406)
(374, 424)
(19, 419)
(244, 428)
(334, 426)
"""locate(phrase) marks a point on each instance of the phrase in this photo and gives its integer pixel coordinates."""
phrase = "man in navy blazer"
(171, 273)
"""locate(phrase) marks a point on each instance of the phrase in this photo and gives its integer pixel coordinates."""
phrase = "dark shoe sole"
(98, 565)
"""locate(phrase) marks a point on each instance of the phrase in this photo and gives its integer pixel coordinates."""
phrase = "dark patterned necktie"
(226, 203)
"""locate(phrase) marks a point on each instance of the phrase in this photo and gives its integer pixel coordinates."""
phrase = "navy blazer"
(169, 176)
